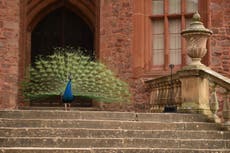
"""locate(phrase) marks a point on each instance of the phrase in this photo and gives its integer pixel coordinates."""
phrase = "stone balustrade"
(193, 88)
(164, 92)
(193, 91)
(219, 96)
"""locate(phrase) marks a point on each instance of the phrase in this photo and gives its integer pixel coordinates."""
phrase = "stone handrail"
(216, 78)
(191, 92)
(210, 75)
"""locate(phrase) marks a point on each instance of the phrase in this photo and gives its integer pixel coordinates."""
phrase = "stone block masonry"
(220, 41)
(115, 43)
(9, 52)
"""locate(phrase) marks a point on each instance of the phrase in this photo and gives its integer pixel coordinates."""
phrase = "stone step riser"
(108, 132)
(103, 133)
(141, 150)
(91, 115)
(107, 124)
(52, 108)
(113, 143)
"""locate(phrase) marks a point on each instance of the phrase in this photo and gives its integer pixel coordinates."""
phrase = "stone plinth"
(194, 92)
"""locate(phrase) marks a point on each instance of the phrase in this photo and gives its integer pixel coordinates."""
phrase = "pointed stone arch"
(33, 11)
(38, 9)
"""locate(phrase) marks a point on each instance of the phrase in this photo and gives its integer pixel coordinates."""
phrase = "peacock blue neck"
(68, 95)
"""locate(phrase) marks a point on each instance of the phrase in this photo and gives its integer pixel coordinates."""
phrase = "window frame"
(183, 15)
(142, 64)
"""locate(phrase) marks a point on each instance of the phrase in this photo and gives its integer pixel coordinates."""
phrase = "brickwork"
(9, 52)
(116, 34)
(114, 42)
(220, 40)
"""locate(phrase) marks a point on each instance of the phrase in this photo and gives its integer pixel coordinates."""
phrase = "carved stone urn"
(196, 36)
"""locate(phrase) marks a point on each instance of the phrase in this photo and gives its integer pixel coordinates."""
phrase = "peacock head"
(70, 77)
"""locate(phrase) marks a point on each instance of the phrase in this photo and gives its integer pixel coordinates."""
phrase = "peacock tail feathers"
(49, 75)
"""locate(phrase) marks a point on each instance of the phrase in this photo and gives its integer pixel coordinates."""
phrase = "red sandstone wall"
(115, 45)
(116, 34)
(116, 37)
(220, 40)
(9, 52)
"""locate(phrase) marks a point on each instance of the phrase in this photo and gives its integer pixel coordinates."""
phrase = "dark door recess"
(61, 28)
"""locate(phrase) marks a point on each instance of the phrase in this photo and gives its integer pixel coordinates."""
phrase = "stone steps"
(59, 108)
(109, 150)
(54, 131)
(103, 115)
(111, 133)
(64, 142)
(107, 124)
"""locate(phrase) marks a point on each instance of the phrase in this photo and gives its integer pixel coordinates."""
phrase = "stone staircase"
(57, 131)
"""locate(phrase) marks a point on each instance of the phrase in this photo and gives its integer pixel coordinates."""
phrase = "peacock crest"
(48, 76)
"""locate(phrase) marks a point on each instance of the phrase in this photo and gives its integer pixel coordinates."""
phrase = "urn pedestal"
(196, 36)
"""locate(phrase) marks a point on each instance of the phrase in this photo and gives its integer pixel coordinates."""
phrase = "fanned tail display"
(49, 75)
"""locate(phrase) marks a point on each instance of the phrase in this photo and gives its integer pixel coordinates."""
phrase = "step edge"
(51, 148)
(123, 138)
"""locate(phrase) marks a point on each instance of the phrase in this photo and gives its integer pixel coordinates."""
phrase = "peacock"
(48, 76)
(68, 96)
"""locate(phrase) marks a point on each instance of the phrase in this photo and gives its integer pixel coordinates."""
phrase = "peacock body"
(68, 96)
(48, 77)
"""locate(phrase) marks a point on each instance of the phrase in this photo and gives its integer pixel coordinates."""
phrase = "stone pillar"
(9, 53)
(194, 93)
(195, 87)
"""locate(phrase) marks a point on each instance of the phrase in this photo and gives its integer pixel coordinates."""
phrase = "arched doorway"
(33, 13)
(61, 28)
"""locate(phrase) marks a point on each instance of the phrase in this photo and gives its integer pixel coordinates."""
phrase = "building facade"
(137, 39)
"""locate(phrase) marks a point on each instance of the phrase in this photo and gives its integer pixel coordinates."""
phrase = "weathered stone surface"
(9, 52)
(111, 133)
(165, 150)
(114, 150)
(220, 40)
(114, 34)
(100, 124)
(168, 117)
(108, 132)
(62, 142)
(102, 115)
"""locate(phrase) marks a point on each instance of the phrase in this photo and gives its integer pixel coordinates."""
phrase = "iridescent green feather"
(90, 79)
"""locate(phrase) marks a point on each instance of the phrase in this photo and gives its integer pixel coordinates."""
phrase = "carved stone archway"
(60, 28)
(33, 11)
